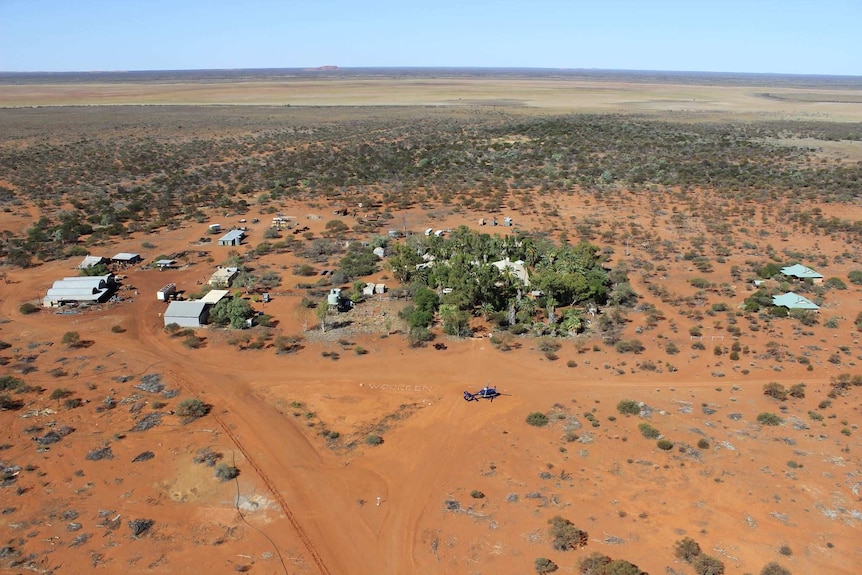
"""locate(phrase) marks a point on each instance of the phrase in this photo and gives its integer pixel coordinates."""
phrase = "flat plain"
(355, 449)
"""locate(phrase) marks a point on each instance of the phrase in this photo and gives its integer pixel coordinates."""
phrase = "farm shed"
(164, 264)
(802, 272)
(223, 277)
(232, 238)
(126, 258)
(95, 289)
(91, 261)
(187, 313)
(792, 300)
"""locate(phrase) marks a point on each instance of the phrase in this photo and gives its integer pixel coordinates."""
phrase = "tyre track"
(306, 541)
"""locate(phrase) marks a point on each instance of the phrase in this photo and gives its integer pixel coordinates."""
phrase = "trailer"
(166, 292)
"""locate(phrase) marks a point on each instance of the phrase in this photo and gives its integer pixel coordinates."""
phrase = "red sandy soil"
(321, 506)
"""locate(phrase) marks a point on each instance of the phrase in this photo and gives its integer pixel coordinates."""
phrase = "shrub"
(545, 565)
(373, 439)
(225, 472)
(60, 393)
(707, 565)
(7, 402)
(191, 409)
(797, 391)
(702, 444)
(774, 568)
(595, 563)
(671, 348)
(629, 407)
(649, 431)
(629, 345)
(537, 419)
(28, 308)
(686, 549)
(775, 390)
(665, 444)
(855, 277)
(767, 418)
(71, 339)
(118, 329)
(565, 535)
(476, 494)
(172, 328)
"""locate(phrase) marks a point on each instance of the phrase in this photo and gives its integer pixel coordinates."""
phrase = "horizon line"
(336, 68)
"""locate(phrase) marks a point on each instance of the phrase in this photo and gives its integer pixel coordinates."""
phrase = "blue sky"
(772, 36)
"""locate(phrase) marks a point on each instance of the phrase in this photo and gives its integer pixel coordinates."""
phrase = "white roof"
(515, 268)
(163, 263)
(214, 296)
(125, 256)
(185, 309)
(90, 261)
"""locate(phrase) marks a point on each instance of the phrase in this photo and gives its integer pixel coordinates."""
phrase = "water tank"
(334, 296)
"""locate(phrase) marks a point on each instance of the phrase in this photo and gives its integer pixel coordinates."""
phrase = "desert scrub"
(537, 419)
(629, 407)
(544, 565)
(225, 472)
(565, 535)
(649, 431)
(767, 418)
(664, 444)
(476, 494)
(191, 408)
(373, 439)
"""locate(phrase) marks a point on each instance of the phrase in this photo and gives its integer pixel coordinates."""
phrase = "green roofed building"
(792, 300)
(801, 272)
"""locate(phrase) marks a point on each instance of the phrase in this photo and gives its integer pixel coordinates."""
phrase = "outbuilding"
(91, 261)
(126, 258)
(223, 276)
(82, 289)
(187, 313)
(232, 238)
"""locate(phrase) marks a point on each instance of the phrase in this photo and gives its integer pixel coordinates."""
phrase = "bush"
(774, 568)
(629, 407)
(686, 549)
(545, 565)
(7, 402)
(565, 535)
(118, 329)
(191, 409)
(671, 348)
(476, 494)
(775, 390)
(767, 418)
(649, 431)
(225, 472)
(373, 439)
(855, 277)
(28, 308)
(72, 339)
(665, 444)
(707, 565)
(702, 444)
(629, 345)
(537, 419)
